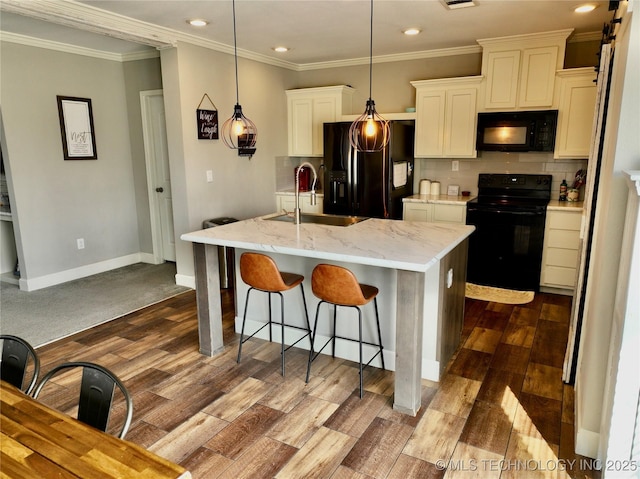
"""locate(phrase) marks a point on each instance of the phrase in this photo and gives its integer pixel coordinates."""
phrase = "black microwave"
(517, 131)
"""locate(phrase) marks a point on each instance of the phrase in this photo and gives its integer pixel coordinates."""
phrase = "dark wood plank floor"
(501, 410)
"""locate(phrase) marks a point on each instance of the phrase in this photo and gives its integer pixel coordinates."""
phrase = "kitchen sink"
(321, 219)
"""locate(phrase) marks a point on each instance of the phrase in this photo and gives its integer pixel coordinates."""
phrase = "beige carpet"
(498, 295)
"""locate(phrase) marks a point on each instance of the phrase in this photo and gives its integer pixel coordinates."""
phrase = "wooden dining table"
(39, 442)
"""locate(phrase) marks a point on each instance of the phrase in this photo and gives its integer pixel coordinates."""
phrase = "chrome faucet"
(296, 211)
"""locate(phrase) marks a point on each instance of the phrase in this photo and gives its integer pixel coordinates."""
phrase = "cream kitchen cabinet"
(520, 70)
(287, 202)
(576, 107)
(307, 110)
(435, 212)
(560, 250)
(446, 117)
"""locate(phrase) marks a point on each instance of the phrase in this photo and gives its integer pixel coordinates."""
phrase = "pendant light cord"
(371, 51)
(235, 49)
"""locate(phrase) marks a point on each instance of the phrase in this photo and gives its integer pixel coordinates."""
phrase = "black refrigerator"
(367, 184)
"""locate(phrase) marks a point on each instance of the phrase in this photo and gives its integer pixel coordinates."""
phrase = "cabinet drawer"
(449, 214)
(558, 276)
(417, 212)
(564, 221)
(563, 239)
(567, 258)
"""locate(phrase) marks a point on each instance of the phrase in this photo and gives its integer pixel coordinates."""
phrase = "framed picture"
(76, 125)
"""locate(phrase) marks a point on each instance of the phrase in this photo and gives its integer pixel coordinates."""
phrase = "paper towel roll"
(435, 188)
(425, 187)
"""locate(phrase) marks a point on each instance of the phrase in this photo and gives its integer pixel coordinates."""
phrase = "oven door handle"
(505, 212)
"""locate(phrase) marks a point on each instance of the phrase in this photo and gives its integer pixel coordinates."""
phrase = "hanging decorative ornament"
(239, 132)
(370, 131)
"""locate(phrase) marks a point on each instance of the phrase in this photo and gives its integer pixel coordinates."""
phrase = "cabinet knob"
(159, 189)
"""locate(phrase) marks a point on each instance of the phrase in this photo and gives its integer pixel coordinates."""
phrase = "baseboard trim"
(45, 281)
(186, 281)
(587, 443)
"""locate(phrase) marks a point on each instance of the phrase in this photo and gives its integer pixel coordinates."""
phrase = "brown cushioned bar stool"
(338, 286)
(261, 273)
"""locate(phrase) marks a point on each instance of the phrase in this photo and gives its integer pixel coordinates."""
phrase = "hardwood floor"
(500, 411)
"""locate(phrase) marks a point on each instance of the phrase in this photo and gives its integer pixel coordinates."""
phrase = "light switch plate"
(209, 176)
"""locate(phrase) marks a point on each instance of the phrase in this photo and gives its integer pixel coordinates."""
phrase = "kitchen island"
(420, 269)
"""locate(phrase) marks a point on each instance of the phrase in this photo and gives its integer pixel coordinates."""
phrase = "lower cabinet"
(435, 212)
(288, 203)
(561, 248)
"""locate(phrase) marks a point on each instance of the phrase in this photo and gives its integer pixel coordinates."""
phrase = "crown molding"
(74, 49)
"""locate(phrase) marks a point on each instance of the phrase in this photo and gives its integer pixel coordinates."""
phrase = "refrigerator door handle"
(355, 197)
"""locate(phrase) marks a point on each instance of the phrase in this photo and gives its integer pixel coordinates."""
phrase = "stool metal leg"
(244, 320)
(270, 319)
(375, 304)
(360, 346)
(306, 316)
(333, 346)
(313, 338)
(282, 331)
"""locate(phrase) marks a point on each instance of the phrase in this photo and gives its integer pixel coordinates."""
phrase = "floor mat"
(498, 295)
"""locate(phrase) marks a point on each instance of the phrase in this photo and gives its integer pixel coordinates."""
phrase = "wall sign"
(76, 125)
(207, 121)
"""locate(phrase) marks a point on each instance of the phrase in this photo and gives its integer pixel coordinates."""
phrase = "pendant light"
(370, 131)
(239, 132)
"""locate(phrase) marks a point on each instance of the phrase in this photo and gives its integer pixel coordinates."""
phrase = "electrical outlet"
(455, 165)
(80, 242)
(209, 176)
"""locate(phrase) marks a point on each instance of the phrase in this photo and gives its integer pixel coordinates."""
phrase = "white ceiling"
(316, 31)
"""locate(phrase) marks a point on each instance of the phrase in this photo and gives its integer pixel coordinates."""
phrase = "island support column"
(209, 304)
(409, 314)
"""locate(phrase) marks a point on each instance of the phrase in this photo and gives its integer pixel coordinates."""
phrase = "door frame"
(149, 160)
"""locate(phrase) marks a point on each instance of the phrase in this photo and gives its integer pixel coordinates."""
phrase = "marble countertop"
(440, 199)
(292, 192)
(405, 245)
(555, 205)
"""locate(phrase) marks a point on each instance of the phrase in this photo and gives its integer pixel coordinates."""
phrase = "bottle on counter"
(563, 191)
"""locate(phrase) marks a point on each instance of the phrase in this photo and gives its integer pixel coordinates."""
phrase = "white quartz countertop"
(555, 205)
(440, 199)
(405, 245)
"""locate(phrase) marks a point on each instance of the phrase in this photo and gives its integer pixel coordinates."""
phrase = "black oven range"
(509, 214)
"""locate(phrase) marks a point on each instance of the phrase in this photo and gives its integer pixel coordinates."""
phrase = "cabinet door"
(575, 116)
(460, 123)
(324, 111)
(503, 68)
(449, 213)
(417, 211)
(301, 126)
(538, 77)
(430, 114)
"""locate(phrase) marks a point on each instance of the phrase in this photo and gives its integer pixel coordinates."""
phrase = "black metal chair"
(261, 273)
(15, 362)
(339, 286)
(96, 394)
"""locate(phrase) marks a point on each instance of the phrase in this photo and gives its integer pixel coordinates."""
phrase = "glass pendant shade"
(370, 131)
(239, 132)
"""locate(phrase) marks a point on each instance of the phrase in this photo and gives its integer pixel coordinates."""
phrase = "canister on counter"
(425, 187)
(435, 188)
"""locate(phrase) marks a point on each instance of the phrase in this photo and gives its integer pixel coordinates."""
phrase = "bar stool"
(261, 273)
(338, 286)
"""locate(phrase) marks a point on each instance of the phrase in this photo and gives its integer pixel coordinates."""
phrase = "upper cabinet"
(520, 70)
(446, 116)
(576, 107)
(308, 109)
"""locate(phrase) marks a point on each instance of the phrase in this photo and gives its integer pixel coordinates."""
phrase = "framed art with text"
(76, 125)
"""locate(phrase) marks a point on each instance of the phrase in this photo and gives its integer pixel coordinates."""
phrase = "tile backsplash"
(467, 175)
(495, 162)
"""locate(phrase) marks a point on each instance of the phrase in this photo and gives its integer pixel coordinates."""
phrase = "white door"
(158, 177)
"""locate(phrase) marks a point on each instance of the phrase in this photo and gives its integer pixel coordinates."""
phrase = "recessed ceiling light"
(197, 22)
(412, 31)
(280, 49)
(587, 7)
